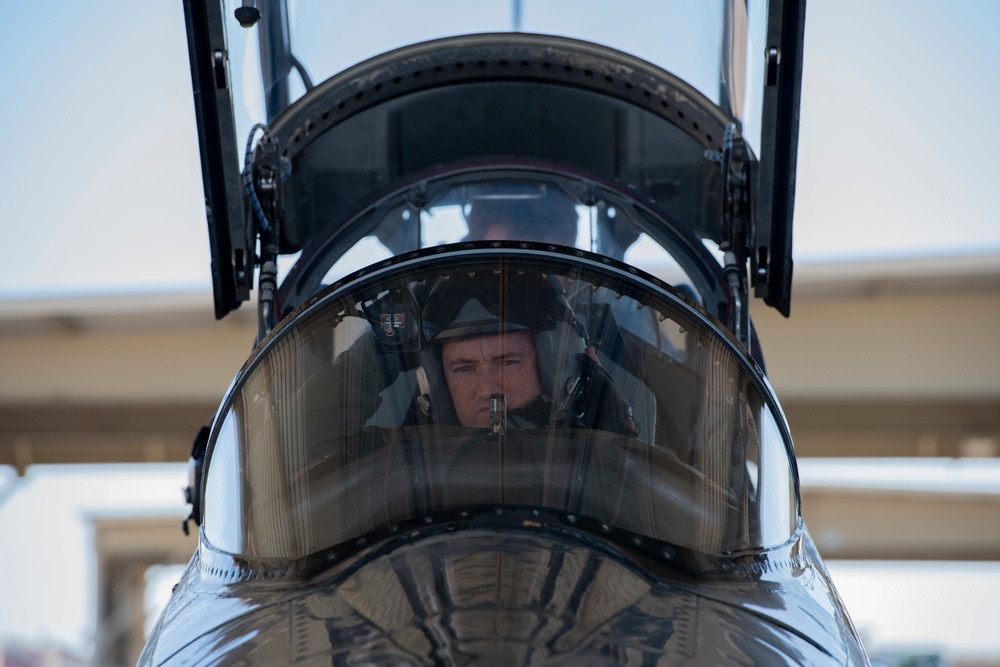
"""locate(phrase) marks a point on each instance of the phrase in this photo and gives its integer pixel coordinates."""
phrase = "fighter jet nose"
(487, 597)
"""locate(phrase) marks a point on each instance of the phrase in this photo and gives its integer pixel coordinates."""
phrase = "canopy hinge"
(737, 229)
(263, 187)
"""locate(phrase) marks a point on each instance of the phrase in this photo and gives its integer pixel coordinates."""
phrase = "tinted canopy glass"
(478, 377)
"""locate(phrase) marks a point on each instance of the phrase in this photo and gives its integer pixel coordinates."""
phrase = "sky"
(100, 180)
(101, 192)
(898, 99)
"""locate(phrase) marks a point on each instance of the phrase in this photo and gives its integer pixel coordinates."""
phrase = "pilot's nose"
(490, 381)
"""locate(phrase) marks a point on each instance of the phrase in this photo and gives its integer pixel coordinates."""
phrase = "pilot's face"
(475, 368)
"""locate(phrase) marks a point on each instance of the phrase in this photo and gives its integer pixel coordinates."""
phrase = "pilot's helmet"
(522, 213)
(520, 325)
(510, 318)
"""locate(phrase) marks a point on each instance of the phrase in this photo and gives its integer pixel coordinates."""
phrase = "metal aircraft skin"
(507, 406)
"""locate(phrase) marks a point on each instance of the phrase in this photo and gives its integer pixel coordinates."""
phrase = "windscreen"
(480, 378)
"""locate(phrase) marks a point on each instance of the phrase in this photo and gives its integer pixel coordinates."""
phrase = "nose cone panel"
(512, 599)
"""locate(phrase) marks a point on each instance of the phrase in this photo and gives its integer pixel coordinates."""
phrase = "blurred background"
(110, 357)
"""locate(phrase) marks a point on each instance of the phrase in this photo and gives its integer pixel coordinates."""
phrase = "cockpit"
(521, 271)
(494, 374)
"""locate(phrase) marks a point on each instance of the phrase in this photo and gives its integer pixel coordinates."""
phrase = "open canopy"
(702, 120)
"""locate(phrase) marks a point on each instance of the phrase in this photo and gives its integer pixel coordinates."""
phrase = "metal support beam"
(880, 428)
(864, 524)
(99, 433)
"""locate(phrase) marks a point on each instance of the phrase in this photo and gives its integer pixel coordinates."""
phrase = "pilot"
(545, 216)
(507, 347)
